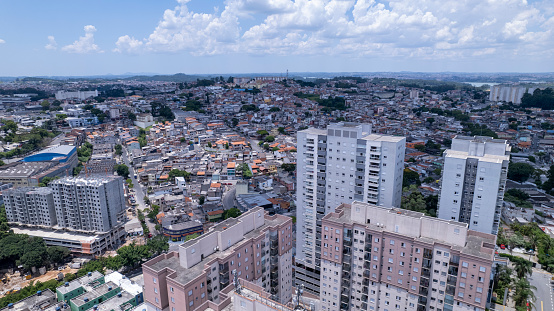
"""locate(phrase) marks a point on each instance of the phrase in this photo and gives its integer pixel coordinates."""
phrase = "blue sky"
(60, 37)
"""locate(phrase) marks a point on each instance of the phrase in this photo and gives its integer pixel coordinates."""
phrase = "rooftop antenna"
(299, 291)
(236, 281)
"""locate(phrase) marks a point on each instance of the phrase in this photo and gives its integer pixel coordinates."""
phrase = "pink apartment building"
(258, 246)
(377, 258)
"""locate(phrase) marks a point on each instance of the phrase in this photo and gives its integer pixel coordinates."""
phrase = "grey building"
(340, 164)
(30, 205)
(90, 204)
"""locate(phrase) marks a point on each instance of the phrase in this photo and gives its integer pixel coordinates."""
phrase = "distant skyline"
(77, 38)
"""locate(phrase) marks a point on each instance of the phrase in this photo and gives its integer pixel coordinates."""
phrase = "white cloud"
(2, 41)
(84, 44)
(430, 29)
(127, 44)
(52, 45)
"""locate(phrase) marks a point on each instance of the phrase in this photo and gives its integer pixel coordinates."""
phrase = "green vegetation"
(142, 138)
(179, 173)
(413, 200)
(122, 170)
(410, 177)
(247, 108)
(84, 152)
(289, 167)
(153, 212)
(193, 105)
(549, 184)
(274, 109)
(118, 149)
(520, 172)
(21, 249)
(543, 99)
(201, 200)
(332, 103)
(245, 170)
(231, 213)
(28, 90)
(38, 137)
(536, 239)
(162, 110)
(313, 97)
(478, 130)
(132, 116)
(192, 236)
(46, 180)
(30, 290)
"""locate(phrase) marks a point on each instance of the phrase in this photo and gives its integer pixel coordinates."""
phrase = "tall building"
(473, 181)
(30, 205)
(89, 204)
(505, 93)
(338, 165)
(255, 245)
(378, 258)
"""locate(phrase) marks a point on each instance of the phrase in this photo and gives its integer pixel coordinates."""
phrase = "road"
(541, 280)
(229, 199)
(139, 192)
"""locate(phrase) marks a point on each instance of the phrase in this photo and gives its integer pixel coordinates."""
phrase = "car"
(502, 246)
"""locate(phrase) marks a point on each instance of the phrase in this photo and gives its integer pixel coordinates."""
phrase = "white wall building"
(338, 165)
(82, 95)
(89, 204)
(30, 205)
(503, 93)
(473, 181)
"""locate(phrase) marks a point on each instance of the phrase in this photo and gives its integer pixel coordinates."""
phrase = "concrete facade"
(29, 205)
(256, 245)
(89, 204)
(473, 182)
(338, 165)
(377, 258)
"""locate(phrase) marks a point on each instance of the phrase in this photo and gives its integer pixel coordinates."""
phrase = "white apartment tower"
(338, 165)
(89, 204)
(30, 205)
(473, 181)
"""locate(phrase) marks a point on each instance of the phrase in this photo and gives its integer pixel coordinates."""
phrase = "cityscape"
(280, 155)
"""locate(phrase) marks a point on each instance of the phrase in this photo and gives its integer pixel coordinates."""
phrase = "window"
(154, 280)
(171, 289)
(155, 290)
(191, 303)
(391, 242)
(477, 299)
(172, 300)
(482, 269)
(461, 295)
(190, 292)
(464, 275)
(462, 284)
(465, 264)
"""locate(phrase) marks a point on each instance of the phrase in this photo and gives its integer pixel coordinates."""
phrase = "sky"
(97, 37)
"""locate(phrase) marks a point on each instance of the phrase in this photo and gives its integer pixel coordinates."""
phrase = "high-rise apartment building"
(378, 258)
(255, 245)
(338, 165)
(30, 205)
(473, 181)
(89, 204)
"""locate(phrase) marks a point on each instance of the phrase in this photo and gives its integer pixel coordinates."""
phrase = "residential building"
(255, 245)
(473, 182)
(377, 258)
(338, 165)
(42, 300)
(30, 205)
(89, 204)
(511, 94)
(144, 120)
(82, 95)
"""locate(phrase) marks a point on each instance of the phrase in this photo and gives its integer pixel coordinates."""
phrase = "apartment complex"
(379, 258)
(255, 245)
(504, 93)
(30, 205)
(338, 165)
(89, 204)
(473, 181)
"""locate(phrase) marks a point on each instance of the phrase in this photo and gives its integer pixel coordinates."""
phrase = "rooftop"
(80, 282)
(38, 301)
(24, 169)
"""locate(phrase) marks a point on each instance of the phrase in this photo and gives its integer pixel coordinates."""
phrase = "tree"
(410, 177)
(132, 116)
(523, 294)
(209, 145)
(179, 173)
(420, 148)
(32, 259)
(431, 120)
(269, 139)
(231, 213)
(57, 253)
(282, 130)
(118, 149)
(523, 268)
(158, 245)
(122, 170)
(201, 200)
(520, 172)
(274, 109)
(132, 254)
(289, 167)
(45, 104)
(46, 180)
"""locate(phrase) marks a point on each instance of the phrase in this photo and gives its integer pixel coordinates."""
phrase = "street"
(139, 193)
(542, 281)
(229, 199)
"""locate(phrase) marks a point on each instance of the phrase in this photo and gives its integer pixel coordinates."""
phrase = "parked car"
(502, 246)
